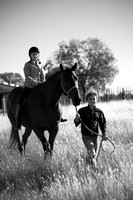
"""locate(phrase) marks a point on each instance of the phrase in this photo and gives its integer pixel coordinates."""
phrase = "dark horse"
(41, 109)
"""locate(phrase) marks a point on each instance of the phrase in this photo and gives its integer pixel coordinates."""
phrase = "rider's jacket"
(33, 74)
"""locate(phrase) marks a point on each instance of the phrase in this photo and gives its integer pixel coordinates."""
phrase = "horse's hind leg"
(52, 135)
(42, 138)
(25, 137)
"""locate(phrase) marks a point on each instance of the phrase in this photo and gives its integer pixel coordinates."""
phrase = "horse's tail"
(14, 136)
(15, 139)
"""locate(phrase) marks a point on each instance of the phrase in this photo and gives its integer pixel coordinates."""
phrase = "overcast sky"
(45, 23)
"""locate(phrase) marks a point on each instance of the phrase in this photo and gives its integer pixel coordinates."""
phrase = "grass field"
(67, 175)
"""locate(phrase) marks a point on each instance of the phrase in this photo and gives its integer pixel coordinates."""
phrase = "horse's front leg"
(42, 138)
(52, 134)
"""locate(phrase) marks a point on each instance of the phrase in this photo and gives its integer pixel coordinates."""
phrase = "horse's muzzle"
(76, 101)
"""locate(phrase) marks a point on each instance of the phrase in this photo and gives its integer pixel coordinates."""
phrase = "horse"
(42, 110)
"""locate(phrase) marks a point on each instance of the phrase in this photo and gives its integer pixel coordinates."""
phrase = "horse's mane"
(49, 80)
(53, 76)
(55, 73)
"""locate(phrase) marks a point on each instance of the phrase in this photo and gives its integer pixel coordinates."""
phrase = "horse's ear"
(74, 67)
(61, 67)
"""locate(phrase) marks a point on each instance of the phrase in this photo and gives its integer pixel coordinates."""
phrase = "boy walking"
(92, 118)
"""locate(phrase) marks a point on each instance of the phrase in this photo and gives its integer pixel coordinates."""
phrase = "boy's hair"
(91, 92)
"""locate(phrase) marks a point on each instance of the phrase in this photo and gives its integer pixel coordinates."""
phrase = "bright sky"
(45, 23)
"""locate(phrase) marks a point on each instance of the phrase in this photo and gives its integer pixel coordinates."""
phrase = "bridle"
(64, 90)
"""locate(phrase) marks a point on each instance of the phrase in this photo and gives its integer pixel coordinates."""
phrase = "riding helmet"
(33, 49)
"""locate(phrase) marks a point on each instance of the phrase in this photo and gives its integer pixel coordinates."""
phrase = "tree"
(96, 62)
(50, 68)
(12, 78)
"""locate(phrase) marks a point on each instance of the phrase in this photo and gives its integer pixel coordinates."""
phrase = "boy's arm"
(102, 124)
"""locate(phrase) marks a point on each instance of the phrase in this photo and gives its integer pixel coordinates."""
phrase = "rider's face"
(34, 56)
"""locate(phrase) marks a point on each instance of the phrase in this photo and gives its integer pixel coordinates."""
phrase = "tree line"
(11, 78)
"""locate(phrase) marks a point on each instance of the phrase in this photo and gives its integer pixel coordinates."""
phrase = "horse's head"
(69, 83)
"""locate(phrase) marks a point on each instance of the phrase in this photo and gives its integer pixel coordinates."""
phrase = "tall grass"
(67, 175)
